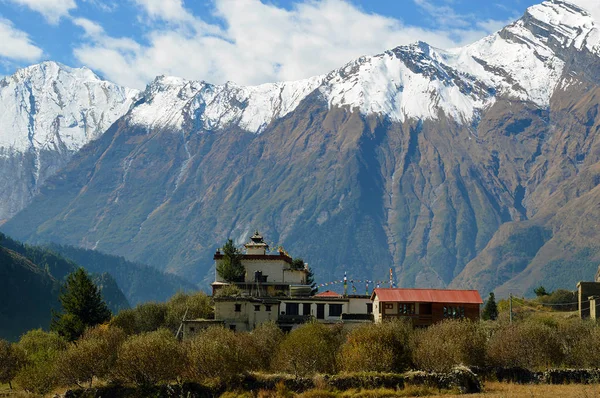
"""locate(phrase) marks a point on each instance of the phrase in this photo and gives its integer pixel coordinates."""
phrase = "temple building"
(274, 288)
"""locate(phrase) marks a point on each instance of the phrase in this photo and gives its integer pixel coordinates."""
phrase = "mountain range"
(474, 167)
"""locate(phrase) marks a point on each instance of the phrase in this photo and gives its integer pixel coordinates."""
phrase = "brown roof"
(279, 256)
(428, 295)
(328, 293)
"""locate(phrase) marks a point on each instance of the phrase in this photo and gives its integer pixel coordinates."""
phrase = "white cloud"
(256, 43)
(52, 10)
(169, 10)
(16, 45)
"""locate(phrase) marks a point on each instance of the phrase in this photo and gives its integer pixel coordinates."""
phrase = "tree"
(298, 263)
(150, 358)
(230, 267)
(310, 280)
(378, 347)
(540, 291)
(40, 350)
(310, 349)
(82, 306)
(452, 342)
(490, 311)
(218, 353)
(11, 360)
(94, 355)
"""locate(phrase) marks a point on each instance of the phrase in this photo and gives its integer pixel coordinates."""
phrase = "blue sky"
(246, 41)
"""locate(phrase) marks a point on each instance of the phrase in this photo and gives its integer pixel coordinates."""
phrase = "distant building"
(587, 297)
(425, 306)
(274, 290)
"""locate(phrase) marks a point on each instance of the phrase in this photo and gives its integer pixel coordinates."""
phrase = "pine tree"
(310, 280)
(490, 311)
(82, 306)
(230, 267)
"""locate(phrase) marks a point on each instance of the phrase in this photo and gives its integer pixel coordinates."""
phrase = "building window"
(238, 308)
(369, 308)
(406, 308)
(388, 306)
(454, 311)
(335, 309)
(292, 308)
(306, 309)
(267, 307)
(257, 307)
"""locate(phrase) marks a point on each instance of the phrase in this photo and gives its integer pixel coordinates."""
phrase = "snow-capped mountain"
(524, 61)
(48, 112)
(454, 167)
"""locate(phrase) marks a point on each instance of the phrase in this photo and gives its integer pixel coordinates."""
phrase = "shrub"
(146, 317)
(447, 344)
(11, 360)
(380, 347)
(528, 344)
(264, 341)
(196, 305)
(39, 349)
(94, 355)
(217, 353)
(310, 349)
(150, 358)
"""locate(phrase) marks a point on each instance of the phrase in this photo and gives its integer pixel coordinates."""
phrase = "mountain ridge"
(412, 159)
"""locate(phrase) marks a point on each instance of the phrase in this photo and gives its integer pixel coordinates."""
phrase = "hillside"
(475, 167)
(27, 295)
(30, 284)
(138, 282)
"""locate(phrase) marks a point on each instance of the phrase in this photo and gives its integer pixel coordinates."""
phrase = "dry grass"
(492, 390)
(508, 390)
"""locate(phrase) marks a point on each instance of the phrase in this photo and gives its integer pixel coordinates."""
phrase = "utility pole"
(510, 307)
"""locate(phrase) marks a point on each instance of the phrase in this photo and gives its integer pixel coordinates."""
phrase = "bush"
(146, 317)
(39, 349)
(94, 355)
(450, 343)
(11, 360)
(217, 353)
(379, 347)
(196, 305)
(150, 358)
(310, 349)
(528, 344)
(265, 340)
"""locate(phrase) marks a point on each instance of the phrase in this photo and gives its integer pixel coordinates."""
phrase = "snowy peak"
(50, 106)
(171, 102)
(559, 24)
(524, 61)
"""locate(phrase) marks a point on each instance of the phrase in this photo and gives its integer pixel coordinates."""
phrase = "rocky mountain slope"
(470, 167)
(47, 112)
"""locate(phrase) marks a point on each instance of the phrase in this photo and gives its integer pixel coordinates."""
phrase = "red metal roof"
(328, 293)
(428, 295)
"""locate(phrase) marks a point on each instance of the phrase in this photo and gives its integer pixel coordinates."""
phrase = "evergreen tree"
(310, 280)
(540, 291)
(230, 267)
(298, 263)
(490, 311)
(82, 306)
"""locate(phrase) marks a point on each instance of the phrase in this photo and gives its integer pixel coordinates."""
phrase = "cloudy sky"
(246, 41)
